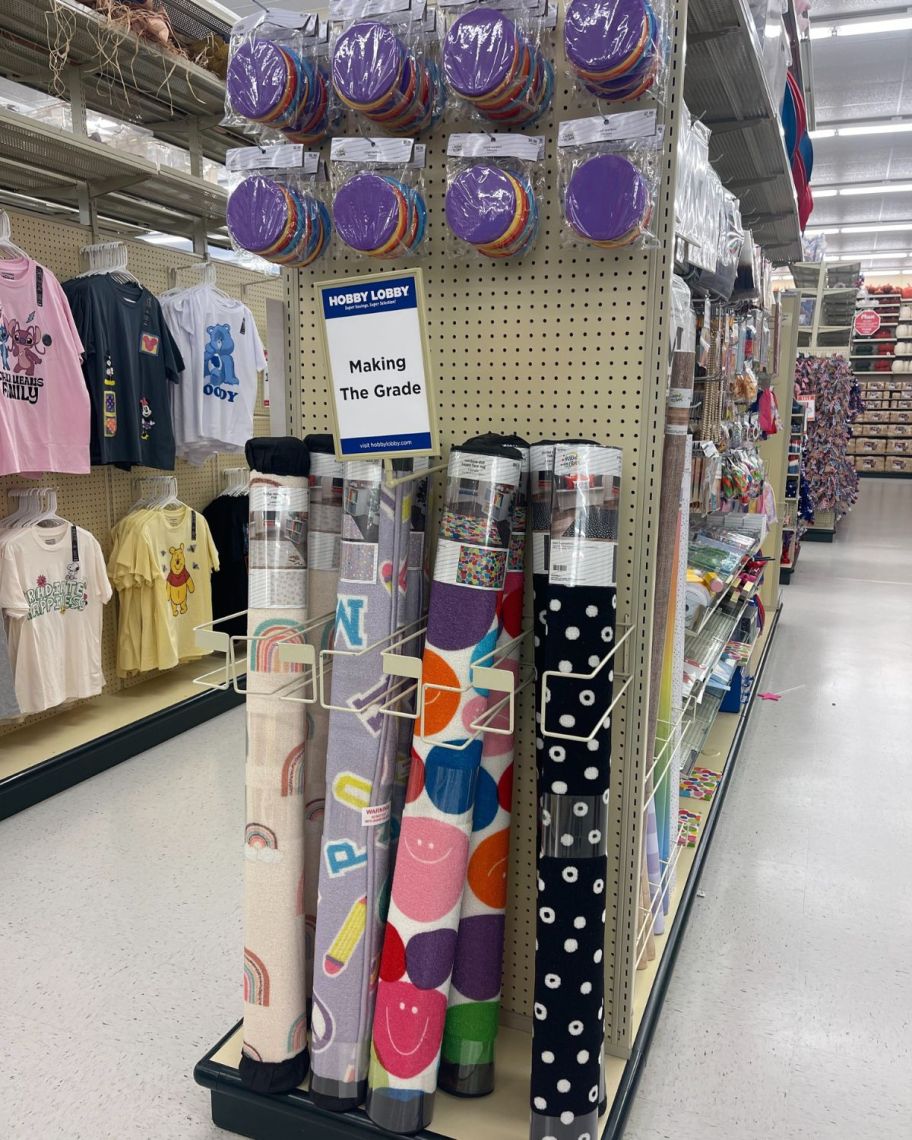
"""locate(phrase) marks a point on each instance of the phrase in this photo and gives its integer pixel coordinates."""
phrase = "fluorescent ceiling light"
(880, 228)
(885, 188)
(898, 127)
(823, 193)
(816, 230)
(860, 27)
(894, 253)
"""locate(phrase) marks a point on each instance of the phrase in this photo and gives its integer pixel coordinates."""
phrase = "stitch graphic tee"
(131, 361)
(44, 407)
(214, 403)
(53, 605)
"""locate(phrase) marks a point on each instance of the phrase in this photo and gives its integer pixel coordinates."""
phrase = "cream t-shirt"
(53, 605)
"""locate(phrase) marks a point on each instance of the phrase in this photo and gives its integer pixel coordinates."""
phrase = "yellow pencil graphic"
(343, 945)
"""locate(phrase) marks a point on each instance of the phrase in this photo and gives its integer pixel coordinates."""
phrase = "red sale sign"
(867, 322)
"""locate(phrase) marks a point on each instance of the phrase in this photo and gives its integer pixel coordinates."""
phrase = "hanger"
(235, 480)
(8, 248)
(25, 496)
(48, 516)
(108, 257)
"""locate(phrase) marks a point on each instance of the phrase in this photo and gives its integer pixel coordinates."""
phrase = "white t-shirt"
(212, 406)
(53, 605)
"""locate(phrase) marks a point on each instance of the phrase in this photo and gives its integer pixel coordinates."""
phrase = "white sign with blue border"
(377, 359)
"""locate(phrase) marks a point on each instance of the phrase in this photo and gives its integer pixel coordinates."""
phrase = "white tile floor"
(788, 1015)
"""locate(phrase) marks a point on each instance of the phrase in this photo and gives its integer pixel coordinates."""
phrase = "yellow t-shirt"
(176, 556)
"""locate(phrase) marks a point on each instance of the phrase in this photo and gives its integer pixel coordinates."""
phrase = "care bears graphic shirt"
(131, 361)
(44, 406)
(213, 405)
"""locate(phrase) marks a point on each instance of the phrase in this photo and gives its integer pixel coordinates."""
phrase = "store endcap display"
(609, 178)
(494, 186)
(277, 86)
(616, 48)
(378, 204)
(387, 68)
(277, 204)
(496, 61)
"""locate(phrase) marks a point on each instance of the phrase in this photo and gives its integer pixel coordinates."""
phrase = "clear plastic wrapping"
(495, 60)
(386, 63)
(617, 49)
(378, 195)
(278, 77)
(609, 178)
(584, 515)
(692, 167)
(494, 186)
(277, 205)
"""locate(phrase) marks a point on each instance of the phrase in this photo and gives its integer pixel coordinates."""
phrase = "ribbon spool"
(492, 210)
(612, 46)
(607, 201)
(279, 223)
(374, 73)
(490, 62)
(379, 216)
(275, 86)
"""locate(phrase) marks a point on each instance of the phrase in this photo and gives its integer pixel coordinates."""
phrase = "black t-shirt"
(130, 357)
(227, 518)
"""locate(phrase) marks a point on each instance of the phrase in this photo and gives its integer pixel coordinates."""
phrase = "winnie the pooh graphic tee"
(53, 589)
(44, 406)
(131, 361)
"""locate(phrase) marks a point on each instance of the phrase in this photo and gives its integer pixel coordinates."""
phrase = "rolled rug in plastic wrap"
(575, 620)
(464, 624)
(324, 534)
(467, 1060)
(360, 767)
(274, 1055)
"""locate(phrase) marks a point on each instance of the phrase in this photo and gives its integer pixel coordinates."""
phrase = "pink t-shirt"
(44, 404)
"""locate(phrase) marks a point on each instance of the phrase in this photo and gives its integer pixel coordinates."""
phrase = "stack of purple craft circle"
(613, 46)
(278, 222)
(379, 216)
(608, 201)
(277, 87)
(489, 61)
(492, 210)
(375, 73)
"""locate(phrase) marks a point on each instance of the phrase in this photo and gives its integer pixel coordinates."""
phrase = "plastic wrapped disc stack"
(489, 61)
(608, 201)
(374, 72)
(613, 46)
(493, 210)
(379, 216)
(274, 86)
(279, 223)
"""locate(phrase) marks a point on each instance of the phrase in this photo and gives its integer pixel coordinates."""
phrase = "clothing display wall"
(276, 1056)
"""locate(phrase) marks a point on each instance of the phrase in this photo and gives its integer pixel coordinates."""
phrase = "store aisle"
(119, 944)
(788, 1014)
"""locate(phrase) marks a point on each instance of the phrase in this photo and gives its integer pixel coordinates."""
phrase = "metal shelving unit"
(725, 84)
(69, 169)
(108, 69)
(797, 429)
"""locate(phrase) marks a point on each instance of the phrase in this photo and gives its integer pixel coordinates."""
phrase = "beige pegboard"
(569, 342)
(96, 501)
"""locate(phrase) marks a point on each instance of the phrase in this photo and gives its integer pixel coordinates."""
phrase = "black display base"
(814, 535)
(40, 781)
(785, 574)
(294, 1116)
(885, 474)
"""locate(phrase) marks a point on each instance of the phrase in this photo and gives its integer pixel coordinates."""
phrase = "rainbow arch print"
(249, 1051)
(297, 1035)
(260, 836)
(314, 810)
(256, 980)
(293, 772)
(264, 648)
